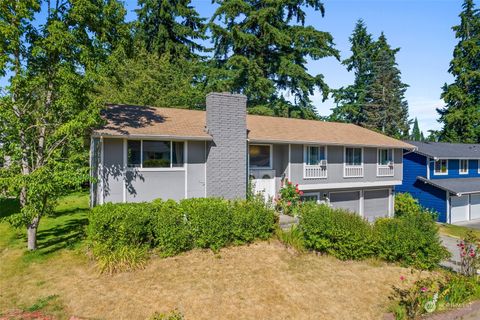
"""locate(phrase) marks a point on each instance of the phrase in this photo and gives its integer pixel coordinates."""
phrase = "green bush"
(210, 221)
(171, 231)
(251, 220)
(411, 239)
(406, 204)
(336, 232)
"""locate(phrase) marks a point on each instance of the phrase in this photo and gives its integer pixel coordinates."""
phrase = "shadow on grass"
(8, 206)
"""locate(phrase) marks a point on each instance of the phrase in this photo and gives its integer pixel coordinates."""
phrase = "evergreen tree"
(416, 135)
(461, 114)
(386, 109)
(352, 99)
(262, 46)
(170, 27)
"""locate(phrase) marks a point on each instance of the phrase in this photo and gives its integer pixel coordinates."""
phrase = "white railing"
(314, 171)
(353, 171)
(385, 171)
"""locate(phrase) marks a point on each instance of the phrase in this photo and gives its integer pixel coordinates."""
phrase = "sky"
(420, 28)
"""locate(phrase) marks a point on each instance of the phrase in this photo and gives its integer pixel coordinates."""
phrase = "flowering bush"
(468, 248)
(288, 200)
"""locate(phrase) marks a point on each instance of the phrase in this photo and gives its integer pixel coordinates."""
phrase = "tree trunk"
(32, 234)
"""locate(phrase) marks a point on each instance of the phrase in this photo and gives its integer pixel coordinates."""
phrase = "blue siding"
(453, 170)
(430, 197)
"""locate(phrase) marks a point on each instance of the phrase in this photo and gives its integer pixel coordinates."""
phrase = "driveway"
(473, 224)
(451, 245)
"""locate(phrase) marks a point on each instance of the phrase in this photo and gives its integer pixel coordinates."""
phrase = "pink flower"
(402, 278)
(289, 183)
(289, 203)
(424, 289)
(301, 193)
(472, 254)
(296, 185)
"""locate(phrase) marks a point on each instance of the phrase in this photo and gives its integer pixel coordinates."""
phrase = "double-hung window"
(315, 155)
(385, 157)
(155, 154)
(463, 166)
(441, 167)
(260, 156)
(353, 156)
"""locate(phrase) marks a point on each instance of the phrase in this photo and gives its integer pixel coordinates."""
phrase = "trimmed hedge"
(173, 227)
(411, 239)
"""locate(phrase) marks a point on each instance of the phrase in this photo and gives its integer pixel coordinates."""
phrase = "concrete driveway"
(474, 224)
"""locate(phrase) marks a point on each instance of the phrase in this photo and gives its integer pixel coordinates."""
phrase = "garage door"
(475, 206)
(376, 204)
(346, 200)
(459, 208)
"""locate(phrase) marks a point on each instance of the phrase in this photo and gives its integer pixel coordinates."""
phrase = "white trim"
(151, 137)
(449, 207)
(379, 166)
(289, 172)
(391, 202)
(435, 173)
(326, 143)
(428, 167)
(478, 166)
(155, 169)
(349, 185)
(205, 169)
(185, 164)
(361, 208)
(460, 167)
(125, 159)
(271, 156)
(91, 154)
(345, 166)
(102, 172)
(305, 165)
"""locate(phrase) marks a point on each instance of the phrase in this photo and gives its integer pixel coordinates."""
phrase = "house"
(144, 153)
(444, 177)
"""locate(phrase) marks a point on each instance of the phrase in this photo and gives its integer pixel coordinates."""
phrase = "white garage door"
(346, 200)
(376, 204)
(459, 208)
(475, 206)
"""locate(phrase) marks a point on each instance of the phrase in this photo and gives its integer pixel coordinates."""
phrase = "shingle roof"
(447, 150)
(458, 186)
(183, 123)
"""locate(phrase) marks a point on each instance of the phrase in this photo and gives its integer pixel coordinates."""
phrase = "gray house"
(144, 153)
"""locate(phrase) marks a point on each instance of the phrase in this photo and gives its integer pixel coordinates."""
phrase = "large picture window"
(260, 156)
(385, 157)
(441, 167)
(314, 154)
(353, 156)
(463, 166)
(155, 154)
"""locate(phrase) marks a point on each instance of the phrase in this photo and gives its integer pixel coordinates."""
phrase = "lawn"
(260, 281)
(456, 231)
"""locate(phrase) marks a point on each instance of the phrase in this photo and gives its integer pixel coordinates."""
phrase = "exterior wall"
(196, 179)
(335, 166)
(428, 196)
(227, 154)
(151, 185)
(453, 170)
(113, 173)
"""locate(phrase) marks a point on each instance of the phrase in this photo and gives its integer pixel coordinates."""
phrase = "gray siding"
(151, 185)
(113, 170)
(196, 179)
(335, 161)
(227, 154)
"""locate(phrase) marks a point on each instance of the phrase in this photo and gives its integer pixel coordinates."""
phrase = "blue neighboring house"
(444, 177)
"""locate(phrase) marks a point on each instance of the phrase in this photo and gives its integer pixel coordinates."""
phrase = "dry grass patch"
(259, 281)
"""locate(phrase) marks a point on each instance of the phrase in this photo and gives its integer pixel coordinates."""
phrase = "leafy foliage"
(460, 116)
(288, 200)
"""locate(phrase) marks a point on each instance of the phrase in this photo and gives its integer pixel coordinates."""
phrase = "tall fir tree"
(386, 109)
(171, 27)
(263, 46)
(352, 99)
(416, 134)
(461, 114)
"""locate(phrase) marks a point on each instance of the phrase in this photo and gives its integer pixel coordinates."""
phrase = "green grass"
(64, 229)
(457, 231)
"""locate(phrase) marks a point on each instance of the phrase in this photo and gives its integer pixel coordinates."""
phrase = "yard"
(263, 280)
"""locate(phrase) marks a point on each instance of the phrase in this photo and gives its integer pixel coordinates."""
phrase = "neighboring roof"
(183, 123)
(447, 150)
(458, 186)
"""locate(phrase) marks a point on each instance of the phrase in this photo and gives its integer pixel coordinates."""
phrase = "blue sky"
(421, 28)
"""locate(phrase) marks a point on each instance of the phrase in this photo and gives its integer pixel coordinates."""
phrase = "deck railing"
(314, 171)
(353, 171)
(385, 171)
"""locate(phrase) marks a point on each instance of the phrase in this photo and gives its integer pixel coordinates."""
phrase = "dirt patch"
(260, 281)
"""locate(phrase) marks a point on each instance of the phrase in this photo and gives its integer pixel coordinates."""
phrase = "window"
(309, 198)
(353, 156)
(314, 155)
(155, 154)
(441, 167)
(260, 156)
(463, 166)
(385, 157)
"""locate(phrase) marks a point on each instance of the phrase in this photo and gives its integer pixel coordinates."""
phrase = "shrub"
(210, 221)
(411, 239)
(337, 232)
(288, 200)
(171, 232)
(292, 238)
(251, 220)
(121, 258)
(468, 249)
(117, 225)
(406, 204)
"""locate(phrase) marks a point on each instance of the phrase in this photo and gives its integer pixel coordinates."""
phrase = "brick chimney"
(227, 153)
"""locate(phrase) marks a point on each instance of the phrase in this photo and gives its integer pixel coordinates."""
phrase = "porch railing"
(353, 171)
(314, 172)
(385, 171)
